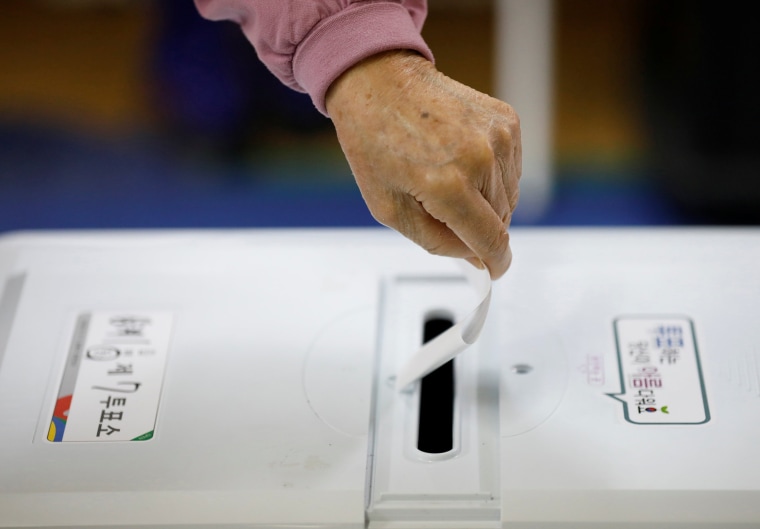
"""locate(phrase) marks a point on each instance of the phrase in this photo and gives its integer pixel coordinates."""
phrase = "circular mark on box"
(338, 372)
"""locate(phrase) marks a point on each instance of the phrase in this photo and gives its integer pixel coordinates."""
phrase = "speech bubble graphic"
(660, 371)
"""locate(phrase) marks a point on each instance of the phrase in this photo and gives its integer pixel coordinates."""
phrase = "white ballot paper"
(456, 339)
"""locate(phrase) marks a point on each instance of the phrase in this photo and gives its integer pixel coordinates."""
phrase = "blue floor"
(58, 179)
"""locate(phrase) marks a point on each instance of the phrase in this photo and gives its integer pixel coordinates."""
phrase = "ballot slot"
(437, 399)
(433, 448)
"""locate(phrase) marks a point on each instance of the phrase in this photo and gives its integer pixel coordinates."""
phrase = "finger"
(437, 238)
(477, 263)
(465, 211)
(415, 223)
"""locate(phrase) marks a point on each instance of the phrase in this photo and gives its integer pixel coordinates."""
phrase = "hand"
(434, 159)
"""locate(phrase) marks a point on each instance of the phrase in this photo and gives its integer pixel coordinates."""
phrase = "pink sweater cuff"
(340, 41)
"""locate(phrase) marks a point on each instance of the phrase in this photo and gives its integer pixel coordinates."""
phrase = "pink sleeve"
(307, 44)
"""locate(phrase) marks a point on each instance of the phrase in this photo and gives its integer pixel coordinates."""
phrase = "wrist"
(370, 79)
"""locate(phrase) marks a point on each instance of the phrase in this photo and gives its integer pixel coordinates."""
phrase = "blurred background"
(134, 114)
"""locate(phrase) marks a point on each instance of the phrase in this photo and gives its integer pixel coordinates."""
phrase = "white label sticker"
(112, 381)
(660, 371)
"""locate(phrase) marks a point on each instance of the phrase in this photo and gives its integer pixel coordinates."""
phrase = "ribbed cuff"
(342, 40)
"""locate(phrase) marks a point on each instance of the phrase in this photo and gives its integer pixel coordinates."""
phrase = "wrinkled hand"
(434, 159)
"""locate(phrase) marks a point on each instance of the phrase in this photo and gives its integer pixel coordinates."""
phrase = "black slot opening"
(435, 433)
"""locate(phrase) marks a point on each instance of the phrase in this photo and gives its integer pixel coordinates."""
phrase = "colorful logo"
(650, 409)
(58, 422)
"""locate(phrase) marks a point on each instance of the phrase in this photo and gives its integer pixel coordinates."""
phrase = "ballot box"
(248, 379)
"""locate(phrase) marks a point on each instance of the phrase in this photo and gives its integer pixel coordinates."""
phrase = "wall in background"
(148, 90)
(89, 63)
(78, 63)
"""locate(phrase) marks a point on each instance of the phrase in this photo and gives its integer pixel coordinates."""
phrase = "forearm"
(309, 44)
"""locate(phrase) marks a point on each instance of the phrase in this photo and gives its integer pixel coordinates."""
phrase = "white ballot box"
(246, 379)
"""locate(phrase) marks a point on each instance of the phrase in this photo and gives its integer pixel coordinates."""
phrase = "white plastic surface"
(411, 485)
(578, 461)
(277, 343)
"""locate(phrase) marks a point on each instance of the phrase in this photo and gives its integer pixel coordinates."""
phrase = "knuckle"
(448, 183)
(386, 213)
(505, 128)
(502, 136)
(474, 158)
(496, 243)
(474, 148)
(507, 150)
(438, 249)
(508, 112)
(481, 152)
(446, 244)
(514, 198)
